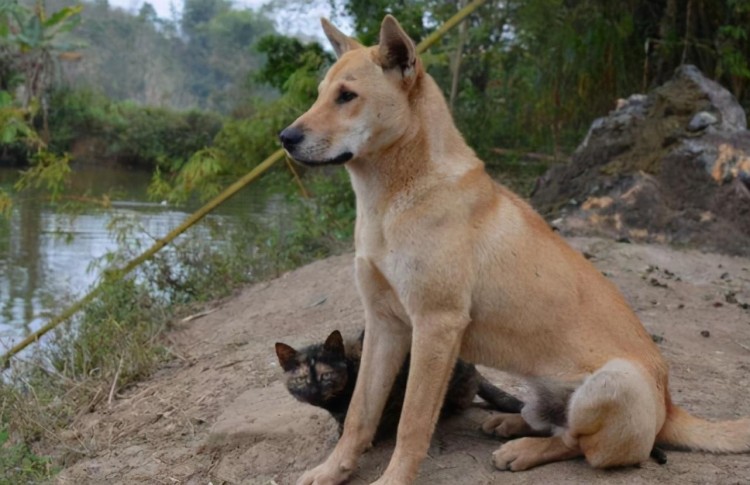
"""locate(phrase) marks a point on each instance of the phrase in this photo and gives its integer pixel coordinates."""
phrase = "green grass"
(19, 464)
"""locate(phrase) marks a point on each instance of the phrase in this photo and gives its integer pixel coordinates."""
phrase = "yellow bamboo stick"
(203, 211)
(448, 25)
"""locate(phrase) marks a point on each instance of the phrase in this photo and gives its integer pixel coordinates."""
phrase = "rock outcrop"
(672, 166)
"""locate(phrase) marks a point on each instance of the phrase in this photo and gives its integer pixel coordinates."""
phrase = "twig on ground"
(114, 383)
(198, 315)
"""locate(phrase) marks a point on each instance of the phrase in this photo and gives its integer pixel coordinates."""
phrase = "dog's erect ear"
(340, 42)
(396, 48)
(286, 355)
(334, 343)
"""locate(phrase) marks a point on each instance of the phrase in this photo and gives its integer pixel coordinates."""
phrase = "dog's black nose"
(291, 136)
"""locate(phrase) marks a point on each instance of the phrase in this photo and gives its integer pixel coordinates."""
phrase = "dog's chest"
(381, 284)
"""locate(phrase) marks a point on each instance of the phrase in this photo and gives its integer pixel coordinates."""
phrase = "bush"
(127, 133)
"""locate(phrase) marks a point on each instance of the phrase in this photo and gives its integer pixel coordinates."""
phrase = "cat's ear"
(286, 355)
(334, 343)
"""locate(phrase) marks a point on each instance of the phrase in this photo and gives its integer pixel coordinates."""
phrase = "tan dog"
(450, 263)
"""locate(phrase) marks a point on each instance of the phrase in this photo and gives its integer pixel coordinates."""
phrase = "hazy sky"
(304, 19)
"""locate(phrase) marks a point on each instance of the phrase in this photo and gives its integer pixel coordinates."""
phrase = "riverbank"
(217, 412)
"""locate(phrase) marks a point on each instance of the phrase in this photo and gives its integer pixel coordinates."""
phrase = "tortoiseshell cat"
(324, 375)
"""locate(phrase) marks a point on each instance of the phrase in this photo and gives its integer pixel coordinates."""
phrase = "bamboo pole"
(203, 211)
(448, 25)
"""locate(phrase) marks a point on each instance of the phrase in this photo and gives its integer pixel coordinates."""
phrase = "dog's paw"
(506, 426)
(525, 453)
(515, 455)
(389, 481)
(325, 474)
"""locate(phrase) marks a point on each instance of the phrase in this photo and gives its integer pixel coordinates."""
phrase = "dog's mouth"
(339, 160)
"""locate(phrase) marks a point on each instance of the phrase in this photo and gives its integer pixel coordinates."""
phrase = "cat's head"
(316, 374)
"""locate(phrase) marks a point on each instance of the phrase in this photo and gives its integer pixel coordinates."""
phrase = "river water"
(47, 255)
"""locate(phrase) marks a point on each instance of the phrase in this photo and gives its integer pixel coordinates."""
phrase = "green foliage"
(30, 45)
(6, 205)
(16, 130)
(411, 14)
(115, 332)
(284, 56)
(128, 133)
(18, 464)
(203, 60)
(314, 228)
(46, 171)
(244, 143)
(33, 42)
(733, 45)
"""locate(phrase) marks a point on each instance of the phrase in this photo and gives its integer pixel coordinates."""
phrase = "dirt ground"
(218, 414)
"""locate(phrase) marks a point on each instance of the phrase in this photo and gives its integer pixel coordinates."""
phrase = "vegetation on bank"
(199, 100)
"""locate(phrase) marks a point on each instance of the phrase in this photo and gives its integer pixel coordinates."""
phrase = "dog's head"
(363, 101)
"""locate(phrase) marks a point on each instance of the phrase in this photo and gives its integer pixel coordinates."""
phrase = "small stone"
(657, 283)
(705, 333)
(701, 121)
(731, 297)
(657, 338)
(681, 306)
(718, 304)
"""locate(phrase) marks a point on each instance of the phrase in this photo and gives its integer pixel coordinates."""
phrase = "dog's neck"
(430, 150)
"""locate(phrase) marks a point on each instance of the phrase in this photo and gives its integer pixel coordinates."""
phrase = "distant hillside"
(205, 60)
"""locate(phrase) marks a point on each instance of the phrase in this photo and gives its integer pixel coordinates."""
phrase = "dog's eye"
(345, 97)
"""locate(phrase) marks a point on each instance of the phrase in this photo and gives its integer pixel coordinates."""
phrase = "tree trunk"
(457, 57)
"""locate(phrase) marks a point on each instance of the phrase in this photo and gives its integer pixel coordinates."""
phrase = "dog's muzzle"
(291, 137)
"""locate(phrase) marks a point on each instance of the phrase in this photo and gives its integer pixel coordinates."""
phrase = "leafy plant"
(19, 464)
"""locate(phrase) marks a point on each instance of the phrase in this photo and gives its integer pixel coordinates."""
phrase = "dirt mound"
(673, 166)
(219, 414)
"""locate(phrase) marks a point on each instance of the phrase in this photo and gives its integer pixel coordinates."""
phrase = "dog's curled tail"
(497, 398)
(683, 430)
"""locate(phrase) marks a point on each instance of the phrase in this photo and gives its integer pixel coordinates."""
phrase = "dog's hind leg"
(612, 420)
(615, 415)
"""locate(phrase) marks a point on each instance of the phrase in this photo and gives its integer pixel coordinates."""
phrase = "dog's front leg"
(386, 344)
(436, 341)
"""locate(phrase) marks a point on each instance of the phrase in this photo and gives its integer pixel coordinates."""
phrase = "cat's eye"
(345, 97)
(326, 376)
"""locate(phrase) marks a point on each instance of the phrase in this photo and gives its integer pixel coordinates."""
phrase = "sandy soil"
(218, 413)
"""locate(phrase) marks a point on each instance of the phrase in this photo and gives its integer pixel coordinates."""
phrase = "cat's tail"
(497, 398)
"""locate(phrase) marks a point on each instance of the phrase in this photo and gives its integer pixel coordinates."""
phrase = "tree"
(31, 47)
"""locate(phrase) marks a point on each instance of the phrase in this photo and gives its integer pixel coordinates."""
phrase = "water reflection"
(46, 255)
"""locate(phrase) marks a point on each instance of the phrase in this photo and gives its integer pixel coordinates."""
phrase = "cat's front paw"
(325, 474)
